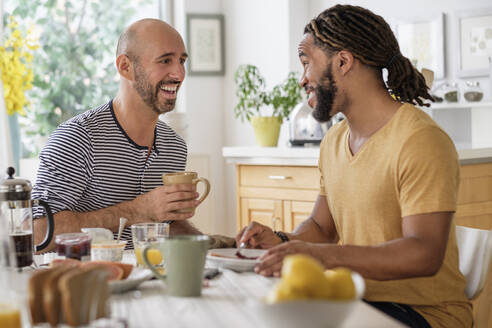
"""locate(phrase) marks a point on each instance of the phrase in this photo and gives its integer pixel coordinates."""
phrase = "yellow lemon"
(303, 272)
(340, 280)
(283, 292)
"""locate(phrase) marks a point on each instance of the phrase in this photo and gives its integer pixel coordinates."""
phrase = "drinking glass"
(145, 234)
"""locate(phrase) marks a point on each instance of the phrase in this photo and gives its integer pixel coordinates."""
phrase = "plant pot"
(267, 129)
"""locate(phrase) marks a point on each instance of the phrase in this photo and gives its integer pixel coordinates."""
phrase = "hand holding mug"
(187, 177)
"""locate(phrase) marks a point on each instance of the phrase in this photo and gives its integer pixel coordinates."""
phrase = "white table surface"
(228, 301)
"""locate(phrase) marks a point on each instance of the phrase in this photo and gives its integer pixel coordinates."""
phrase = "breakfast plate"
(226, 258)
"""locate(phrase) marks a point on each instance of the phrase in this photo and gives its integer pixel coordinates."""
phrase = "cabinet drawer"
(299, 177)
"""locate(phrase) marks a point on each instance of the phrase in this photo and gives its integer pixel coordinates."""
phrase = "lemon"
(284, 292)
(342, 286)
(302, 272)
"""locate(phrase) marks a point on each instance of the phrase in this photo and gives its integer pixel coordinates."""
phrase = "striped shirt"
(91, 163)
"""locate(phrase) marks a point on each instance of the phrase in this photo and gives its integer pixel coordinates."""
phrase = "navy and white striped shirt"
(90, 163)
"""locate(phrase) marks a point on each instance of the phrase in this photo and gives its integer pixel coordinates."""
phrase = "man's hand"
(271, 261)
(257, 235)
(161, 203)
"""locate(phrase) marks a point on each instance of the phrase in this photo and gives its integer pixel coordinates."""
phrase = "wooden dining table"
(229, 300)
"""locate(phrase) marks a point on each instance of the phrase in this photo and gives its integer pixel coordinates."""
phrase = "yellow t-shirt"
(407, 167)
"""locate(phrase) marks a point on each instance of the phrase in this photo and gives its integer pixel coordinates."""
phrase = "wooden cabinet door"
(296, 212)
(264, 211)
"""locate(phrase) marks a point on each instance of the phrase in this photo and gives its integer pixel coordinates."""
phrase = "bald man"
(107, 163)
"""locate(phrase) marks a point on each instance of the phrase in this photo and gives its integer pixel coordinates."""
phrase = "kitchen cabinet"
(278, 196)
(475, 196)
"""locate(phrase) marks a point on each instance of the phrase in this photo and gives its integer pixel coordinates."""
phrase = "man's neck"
(136, 118)
(369, 111)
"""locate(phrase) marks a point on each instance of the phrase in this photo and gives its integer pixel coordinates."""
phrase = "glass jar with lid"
(473, 92)
(451, 92)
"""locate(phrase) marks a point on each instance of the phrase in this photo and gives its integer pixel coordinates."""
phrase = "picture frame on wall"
(205, 43)
(422, 41)
(474, 30)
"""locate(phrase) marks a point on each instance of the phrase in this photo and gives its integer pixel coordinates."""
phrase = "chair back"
(475, 253)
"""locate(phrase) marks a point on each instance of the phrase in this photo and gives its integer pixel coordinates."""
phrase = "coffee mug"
(186, 177)
(184, 262)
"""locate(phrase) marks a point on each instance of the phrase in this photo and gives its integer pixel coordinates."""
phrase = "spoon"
(123, 222)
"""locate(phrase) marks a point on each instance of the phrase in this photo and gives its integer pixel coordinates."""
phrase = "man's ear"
(346, 61)
(124, 67)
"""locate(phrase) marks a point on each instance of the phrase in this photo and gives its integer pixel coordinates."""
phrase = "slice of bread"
(85, 292)
(52, 296)
(35, 298)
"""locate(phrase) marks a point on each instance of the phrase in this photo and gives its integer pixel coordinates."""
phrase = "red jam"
(74, 246)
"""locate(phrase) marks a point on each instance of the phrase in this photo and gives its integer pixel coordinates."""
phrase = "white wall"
(204, 103)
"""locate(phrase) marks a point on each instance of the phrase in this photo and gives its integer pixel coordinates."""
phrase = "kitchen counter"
(308, 156)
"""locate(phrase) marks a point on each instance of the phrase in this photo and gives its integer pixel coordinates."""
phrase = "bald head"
(140, 32)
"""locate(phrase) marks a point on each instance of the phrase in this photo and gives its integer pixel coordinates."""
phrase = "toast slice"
(52, 296)
(35, 297)
(84, 293)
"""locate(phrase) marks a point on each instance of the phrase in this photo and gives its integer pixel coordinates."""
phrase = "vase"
(267, 129)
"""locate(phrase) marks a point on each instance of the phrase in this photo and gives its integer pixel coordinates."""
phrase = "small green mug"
(184, 261)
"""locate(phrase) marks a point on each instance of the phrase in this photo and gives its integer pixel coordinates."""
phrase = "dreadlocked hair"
(370, 39)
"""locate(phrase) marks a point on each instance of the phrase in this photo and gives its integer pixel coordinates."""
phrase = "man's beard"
(151, 97)
(325, 92)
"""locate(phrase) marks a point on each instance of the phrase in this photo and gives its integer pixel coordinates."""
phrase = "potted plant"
(265, 110)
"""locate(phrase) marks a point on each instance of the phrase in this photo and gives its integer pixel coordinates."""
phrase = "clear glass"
(19, 218)
(473, 92)
(144, 234)
(451, 92)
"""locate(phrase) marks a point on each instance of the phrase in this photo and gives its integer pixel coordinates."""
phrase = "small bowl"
(314, 313)
(98, 234)
(108, 250)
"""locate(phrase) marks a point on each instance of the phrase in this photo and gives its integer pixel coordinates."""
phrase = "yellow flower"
(16, 67)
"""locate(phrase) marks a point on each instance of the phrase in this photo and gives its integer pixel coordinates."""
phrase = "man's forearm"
(397, 259)
(310, 231)
(67, 221)
(183, 228)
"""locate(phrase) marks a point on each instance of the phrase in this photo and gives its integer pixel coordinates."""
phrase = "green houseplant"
(266, 110)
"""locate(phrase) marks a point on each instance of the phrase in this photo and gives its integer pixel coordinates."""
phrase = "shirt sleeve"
(65, 169)
(428, 173)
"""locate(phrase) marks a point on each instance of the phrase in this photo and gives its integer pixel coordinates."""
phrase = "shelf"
(445, 105)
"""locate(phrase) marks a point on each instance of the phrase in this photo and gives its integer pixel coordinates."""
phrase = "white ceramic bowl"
(226, 258)
(310, 313)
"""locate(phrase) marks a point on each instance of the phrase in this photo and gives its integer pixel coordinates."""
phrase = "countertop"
(308, 156)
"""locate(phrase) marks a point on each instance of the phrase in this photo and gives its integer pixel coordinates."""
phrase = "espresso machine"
(16, 214)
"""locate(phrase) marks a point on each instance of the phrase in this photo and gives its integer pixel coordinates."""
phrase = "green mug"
(184, 261)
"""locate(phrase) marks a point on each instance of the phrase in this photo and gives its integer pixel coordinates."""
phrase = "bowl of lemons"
(309, 296)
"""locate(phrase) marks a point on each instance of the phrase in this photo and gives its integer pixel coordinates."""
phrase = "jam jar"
(74, 246)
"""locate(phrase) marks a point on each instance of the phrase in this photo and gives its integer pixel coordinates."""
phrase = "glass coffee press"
(16, 209)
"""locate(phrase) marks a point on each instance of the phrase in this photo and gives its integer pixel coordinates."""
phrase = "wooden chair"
(475, 255)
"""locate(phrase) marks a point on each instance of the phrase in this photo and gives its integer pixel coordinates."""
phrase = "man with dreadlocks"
(389, 176)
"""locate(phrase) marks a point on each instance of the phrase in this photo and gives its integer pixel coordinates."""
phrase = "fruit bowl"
(310, 313)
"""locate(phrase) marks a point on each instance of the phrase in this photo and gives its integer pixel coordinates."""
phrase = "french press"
(16, 208)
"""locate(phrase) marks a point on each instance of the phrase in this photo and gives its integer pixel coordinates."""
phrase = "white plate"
(136, 277)
(231, 262)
